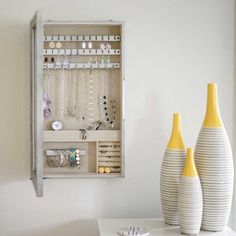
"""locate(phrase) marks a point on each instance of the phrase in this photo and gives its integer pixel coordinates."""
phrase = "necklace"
(109, 116)
(84, 97)
(60, 94)
(90, 97)
(46, 96)
(72, 95)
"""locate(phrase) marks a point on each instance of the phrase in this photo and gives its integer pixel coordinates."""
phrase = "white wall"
(173, 49)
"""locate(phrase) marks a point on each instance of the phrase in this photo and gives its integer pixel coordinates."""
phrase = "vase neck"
(190, 168)
(176, 139)
(212, 117)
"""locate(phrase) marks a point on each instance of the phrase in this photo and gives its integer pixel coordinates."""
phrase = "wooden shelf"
(76, 136)
(70, 175)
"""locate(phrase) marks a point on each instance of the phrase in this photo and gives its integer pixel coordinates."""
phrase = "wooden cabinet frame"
(37, 134)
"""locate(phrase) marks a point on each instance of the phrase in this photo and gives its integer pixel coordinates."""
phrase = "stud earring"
(83, 45)
(90, 45)
(52, 44)
(58, 45)
(107, 170)
(101, 170)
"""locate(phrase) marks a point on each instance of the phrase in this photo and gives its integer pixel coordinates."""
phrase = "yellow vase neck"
(190, 168)
(176, 139)
(212, 117)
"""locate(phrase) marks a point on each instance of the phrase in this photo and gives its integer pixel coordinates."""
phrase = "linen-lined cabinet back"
(77, 85)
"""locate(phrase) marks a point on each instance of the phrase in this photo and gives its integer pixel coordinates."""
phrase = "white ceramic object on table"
(171, 171)
(190, 198)
(214, 163)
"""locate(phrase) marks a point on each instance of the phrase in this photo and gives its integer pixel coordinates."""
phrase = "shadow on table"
(75, 228)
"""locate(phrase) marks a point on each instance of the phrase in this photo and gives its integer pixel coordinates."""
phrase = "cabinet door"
(36, 96)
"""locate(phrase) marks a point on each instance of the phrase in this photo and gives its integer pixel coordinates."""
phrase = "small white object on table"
(156, 227)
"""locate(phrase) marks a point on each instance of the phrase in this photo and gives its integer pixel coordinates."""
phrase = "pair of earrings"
(74, 157)
(106, 170)
(58, 45)
(46, 60)
(84, 45)
(102, 46)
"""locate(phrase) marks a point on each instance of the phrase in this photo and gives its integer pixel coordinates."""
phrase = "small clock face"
(56, 125)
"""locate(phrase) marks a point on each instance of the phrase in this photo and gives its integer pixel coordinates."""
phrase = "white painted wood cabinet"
(77, 91)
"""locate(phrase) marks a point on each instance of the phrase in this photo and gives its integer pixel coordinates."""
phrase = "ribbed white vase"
(171, 171)
(214, 163)
(190, 198)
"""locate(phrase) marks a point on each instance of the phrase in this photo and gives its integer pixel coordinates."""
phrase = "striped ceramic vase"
(214, 163)
(190, 198)
(171, 170)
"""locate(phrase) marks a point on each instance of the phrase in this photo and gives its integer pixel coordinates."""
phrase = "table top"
(156, 227)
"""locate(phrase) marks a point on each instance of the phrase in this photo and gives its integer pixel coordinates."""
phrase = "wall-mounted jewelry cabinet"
(77, 120)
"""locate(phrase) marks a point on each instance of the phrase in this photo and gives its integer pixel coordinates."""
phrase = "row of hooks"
(81, 66)
(82, 38)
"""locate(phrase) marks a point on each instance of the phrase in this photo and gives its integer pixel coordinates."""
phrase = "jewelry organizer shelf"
(75, 136)
(77, 118)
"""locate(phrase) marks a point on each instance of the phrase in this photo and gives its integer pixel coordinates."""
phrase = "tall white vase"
(171, 170)
(190, 198)
(214, 163)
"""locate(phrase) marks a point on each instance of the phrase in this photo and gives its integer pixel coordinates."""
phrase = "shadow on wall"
(75, 228)
(141, 164)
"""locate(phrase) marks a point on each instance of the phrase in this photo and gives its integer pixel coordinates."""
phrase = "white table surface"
(157, 227)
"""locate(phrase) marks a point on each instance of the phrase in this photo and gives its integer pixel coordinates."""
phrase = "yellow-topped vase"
(171, 169)
(190, 198)
(214, 163)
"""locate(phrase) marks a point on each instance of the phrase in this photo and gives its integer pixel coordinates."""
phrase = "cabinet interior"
(78, 78)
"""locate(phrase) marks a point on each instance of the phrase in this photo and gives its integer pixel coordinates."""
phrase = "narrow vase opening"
(190, 169)
(212, 117)
(176, 139)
